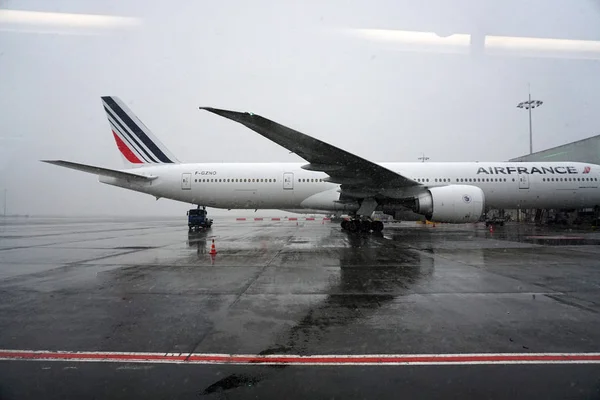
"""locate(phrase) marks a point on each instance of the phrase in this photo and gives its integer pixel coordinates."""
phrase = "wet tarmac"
(297, 289)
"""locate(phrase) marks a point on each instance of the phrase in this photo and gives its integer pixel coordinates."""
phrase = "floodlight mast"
(529, 105)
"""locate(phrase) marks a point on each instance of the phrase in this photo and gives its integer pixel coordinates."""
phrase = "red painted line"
(385, 359)
(240, 219)
(326, 219)
(435, 359)
(556, 237)
(293, 219)
(310, 219)
(258, 219)
(275, 219)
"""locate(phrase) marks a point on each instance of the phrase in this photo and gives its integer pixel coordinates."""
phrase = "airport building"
(586, 151)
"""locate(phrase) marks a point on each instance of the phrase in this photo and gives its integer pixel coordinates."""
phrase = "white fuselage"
(288, 186)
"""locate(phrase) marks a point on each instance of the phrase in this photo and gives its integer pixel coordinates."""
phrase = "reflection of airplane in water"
(372, 274)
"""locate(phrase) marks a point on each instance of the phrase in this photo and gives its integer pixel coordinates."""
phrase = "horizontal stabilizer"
(100, 171)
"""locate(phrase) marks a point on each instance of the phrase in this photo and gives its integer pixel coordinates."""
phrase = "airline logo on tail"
(134, 140)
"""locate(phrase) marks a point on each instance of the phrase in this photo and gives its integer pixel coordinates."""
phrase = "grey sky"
(293, 63)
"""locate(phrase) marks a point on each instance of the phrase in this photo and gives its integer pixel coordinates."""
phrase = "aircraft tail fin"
(135, 141)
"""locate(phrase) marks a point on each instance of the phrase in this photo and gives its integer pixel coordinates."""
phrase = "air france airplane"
(335, 180)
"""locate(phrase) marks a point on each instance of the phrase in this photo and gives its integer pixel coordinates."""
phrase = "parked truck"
(198, 219)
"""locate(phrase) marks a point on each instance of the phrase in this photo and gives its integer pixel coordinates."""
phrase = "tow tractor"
(198, 219)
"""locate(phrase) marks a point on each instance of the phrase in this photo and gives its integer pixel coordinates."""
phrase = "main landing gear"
(362, 225)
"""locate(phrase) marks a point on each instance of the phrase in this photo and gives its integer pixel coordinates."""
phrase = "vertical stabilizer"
(134, 140)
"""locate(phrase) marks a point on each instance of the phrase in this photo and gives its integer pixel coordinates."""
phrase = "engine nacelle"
(455, 204)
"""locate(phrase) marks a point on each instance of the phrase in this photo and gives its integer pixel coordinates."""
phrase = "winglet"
(233, 115)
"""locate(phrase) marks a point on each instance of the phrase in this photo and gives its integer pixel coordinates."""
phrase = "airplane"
(335, 180)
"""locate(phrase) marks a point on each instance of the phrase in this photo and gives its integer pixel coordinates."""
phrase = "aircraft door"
(523, 181)
(186, 181)
(288, 180)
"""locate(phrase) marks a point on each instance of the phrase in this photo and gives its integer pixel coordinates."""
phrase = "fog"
(310, 65)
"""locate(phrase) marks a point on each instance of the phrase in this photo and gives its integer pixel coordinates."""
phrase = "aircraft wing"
(101, 171)
(342, 167)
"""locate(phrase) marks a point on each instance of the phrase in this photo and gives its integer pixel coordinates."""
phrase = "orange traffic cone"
(213, 249)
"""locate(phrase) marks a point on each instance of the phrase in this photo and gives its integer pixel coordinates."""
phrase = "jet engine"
(454, 204)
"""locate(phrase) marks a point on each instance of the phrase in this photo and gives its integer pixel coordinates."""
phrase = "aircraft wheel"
(353, 226)
(344, 224)
(377, 226)
(365, 226)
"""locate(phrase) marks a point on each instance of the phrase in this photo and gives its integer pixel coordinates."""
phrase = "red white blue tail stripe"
(134, 140)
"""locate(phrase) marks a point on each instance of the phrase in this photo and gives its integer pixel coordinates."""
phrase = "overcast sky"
(310, 66)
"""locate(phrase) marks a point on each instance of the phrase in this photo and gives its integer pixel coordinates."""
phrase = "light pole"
(528, 105)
